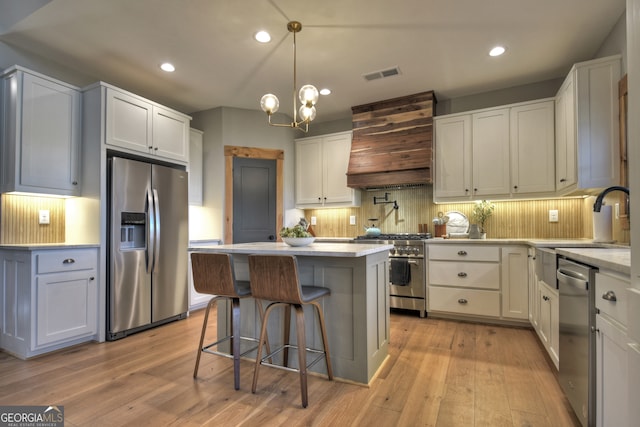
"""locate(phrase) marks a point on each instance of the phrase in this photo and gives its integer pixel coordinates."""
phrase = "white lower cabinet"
(50, 299)
(549, 320)
(612, 373)
(478, 280)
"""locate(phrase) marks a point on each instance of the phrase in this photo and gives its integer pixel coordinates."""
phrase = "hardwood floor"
(439, 373)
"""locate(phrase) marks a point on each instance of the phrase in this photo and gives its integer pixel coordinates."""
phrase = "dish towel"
(400, 272)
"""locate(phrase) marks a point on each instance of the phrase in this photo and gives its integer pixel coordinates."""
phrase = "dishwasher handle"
(572, 278)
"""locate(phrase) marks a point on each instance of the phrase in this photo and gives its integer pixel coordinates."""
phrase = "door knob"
(272, 237)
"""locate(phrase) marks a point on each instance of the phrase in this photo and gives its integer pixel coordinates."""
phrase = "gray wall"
(246, 128)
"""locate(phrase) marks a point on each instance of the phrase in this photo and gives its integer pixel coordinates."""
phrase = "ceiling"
(438, 45)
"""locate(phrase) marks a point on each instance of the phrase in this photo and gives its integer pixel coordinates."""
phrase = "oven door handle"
(413, 262)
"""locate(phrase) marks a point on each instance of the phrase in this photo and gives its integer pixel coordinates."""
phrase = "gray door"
(254, 200)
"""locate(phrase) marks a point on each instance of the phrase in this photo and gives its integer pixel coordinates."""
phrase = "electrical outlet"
(553, 215)
(43, 216)
(352, 220)
(313, 220)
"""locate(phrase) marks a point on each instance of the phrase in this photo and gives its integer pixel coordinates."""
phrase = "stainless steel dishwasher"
(577, 340)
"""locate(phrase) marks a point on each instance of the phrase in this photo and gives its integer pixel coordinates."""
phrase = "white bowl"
(298, 241)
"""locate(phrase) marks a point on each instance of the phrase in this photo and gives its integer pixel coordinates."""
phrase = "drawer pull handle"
(462, 301)
(69, 261)
(462, 253)
(462, 274)
(610, 296)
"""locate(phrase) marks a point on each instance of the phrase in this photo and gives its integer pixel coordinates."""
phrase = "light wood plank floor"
(439, 373)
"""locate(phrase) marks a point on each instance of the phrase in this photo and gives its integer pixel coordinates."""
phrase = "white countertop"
(614, 259)
(314, 249)
(48, 246)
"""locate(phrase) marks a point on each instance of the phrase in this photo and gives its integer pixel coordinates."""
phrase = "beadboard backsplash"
(510, 219)
(19, 220)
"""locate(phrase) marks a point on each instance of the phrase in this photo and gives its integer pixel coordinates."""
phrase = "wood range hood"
(392, 143)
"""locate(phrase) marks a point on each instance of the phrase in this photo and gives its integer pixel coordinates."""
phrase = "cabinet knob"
(156, 148)
(475, 190)
(515, 187)
(563, 180)
(462, 253)
(462, 301)
(546, 298)
(69, 261)
(319, 199)
(74, 183)
(610, 296)
(92, 278)
(466, 190)
(462, 274)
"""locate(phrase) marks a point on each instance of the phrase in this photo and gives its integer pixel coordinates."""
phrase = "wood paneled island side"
(356, 313)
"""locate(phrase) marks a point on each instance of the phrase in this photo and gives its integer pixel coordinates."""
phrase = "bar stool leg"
(302, 353)
(325, 342)
(204, 330)
(263, 334)
(287, 333)
(235, 340)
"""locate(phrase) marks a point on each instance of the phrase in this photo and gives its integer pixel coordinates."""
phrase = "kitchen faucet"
(598, 204)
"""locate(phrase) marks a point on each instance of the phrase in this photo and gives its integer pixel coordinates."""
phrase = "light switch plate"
(43, 216)
(553, 215)
(313, 220)
(352, 220)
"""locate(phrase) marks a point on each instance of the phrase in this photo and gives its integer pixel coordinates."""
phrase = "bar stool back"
(275, 278)
(213, 274)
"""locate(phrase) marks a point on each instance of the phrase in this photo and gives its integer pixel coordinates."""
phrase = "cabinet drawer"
(464, 301)
(57, 261)
(465, 274)
(464, 253)
(606, 287)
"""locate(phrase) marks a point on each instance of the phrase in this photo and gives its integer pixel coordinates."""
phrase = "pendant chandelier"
(308, 95)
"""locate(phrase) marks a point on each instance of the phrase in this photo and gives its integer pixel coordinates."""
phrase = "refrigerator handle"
(156, 245)
(151, 231)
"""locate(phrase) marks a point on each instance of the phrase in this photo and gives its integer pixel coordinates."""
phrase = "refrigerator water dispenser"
(132, 230)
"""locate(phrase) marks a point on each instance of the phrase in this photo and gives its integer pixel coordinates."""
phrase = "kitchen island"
(356, 313)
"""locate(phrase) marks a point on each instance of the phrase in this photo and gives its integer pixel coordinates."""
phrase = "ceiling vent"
(389, 72)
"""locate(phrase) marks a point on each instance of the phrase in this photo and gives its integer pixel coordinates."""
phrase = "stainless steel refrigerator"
(148, 238)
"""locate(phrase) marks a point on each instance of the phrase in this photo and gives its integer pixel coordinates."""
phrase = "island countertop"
(342, 250)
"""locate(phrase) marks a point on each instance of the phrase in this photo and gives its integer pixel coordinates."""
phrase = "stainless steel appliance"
(577, 340)
(407, 269)
(147, 253)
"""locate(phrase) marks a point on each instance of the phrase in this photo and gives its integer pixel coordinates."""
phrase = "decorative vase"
(474, 232)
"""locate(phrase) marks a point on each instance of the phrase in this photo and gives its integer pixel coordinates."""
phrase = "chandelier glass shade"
(308, 95)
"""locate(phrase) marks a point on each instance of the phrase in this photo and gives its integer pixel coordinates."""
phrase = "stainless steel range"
(407, 271)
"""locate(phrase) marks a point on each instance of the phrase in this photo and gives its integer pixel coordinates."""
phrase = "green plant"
(296, 231)
(482, 210)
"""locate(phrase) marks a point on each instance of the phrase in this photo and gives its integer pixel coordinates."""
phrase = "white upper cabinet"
(321, 172)
(587, 128)
(41, 126)
(532, 148)
(496, 153)
(453, 157)
(195, 167)
(490, 130)
(141, 126)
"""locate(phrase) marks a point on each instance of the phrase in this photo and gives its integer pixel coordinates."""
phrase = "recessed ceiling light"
(168, 67)
(325, 91)
(497, 51)
(262, 37)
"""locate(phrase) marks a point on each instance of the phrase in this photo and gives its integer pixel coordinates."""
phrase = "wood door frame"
(623, 93)
(230, 152)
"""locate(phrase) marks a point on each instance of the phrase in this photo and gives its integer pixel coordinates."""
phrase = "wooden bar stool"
(213, 274)
(275, 278)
